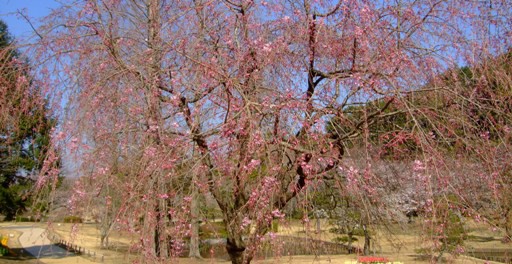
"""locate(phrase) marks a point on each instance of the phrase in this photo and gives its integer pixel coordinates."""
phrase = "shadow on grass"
(482, 238)
(427, 258)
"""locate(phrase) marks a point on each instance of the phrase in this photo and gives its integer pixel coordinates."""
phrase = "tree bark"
(350, 235)
(367, 240)
(104, 238)
(235, 251)
(235, 245)
(157, 233)
(194, 225)
(508, 234)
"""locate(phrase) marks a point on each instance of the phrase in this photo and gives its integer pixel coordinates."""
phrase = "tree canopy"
(24, 129)
(241, 91)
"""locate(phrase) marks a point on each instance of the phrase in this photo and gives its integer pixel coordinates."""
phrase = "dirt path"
(31, 245)
(35, 243)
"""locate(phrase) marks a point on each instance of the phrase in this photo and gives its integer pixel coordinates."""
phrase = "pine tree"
(24, 128)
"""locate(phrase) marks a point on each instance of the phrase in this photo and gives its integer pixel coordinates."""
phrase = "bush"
(358, 232)
(3, 246)
(213, 230)
(24, 219)
(3, 251)
(343, 239)
(455, 233)
(337, 230)
(355, 232)
(275, 226)
(72, 219)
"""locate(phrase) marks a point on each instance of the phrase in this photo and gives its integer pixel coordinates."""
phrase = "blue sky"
(35, 9)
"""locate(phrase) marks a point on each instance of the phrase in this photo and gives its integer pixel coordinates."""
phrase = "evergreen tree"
(24, 129)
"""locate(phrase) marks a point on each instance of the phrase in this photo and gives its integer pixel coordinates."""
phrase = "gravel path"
(34, 242)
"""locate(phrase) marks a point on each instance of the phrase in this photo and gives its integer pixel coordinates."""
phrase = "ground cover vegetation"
(382, 108)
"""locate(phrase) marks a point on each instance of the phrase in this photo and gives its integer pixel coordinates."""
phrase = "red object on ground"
(371, 259)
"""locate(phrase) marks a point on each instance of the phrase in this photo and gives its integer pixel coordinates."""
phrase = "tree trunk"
(508, 234)
(367, 238)
(236, 252)
(439, 258)
(104, 239)
(161, 240)
(105, 226)
(508, 224)
(235, 245)
(350, 235)
(157, 241)
(194, 225)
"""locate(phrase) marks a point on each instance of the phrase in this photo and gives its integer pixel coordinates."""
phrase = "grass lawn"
(402, 246)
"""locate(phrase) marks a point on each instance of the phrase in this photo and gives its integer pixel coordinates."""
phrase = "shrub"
(337, 230)
(72, 219)
(212, 230)
(355, 231)
(3, 246)
(275, 226)
(343, 239)
(24, 219)
(3, 251)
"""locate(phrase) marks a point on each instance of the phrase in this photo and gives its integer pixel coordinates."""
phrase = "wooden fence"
(76, 249)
